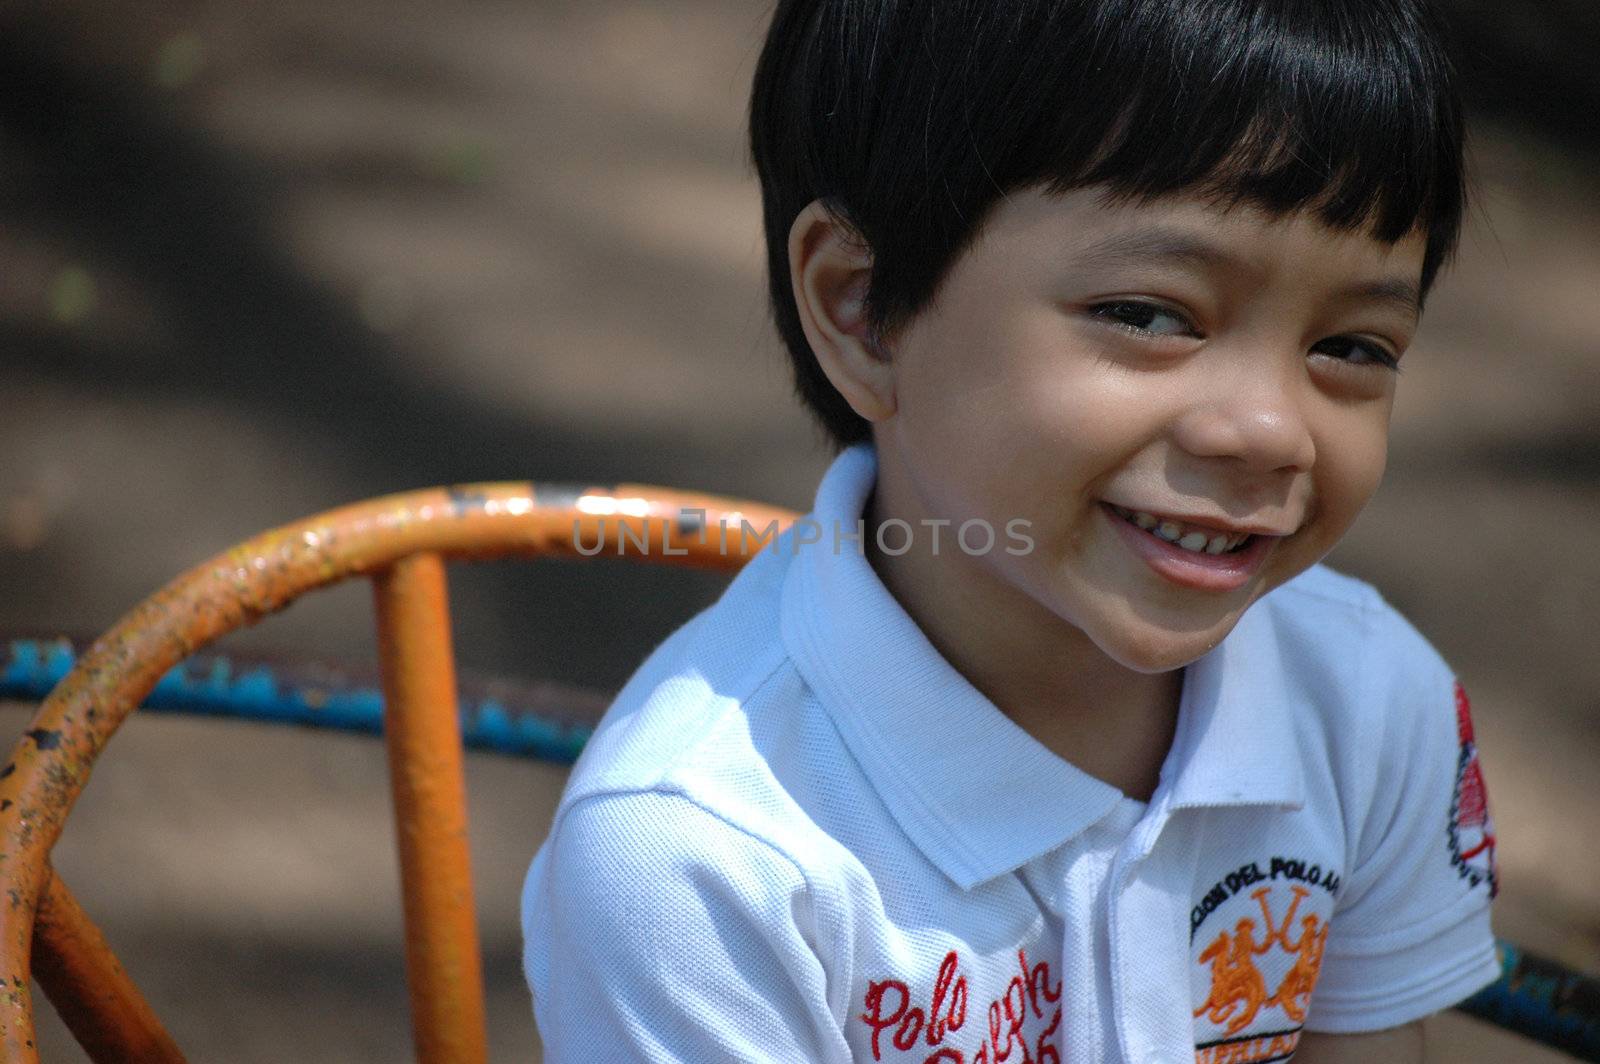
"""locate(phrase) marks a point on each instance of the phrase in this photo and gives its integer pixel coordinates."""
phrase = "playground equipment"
(401, 542)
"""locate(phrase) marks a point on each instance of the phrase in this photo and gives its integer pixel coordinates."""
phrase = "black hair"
(910, 119)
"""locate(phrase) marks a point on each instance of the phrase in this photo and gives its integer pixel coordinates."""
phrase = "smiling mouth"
(1196, 539)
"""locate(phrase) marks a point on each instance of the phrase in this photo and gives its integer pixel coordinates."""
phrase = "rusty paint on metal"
(261, 576)
(444, 970)
(529, 719)
(94, 996)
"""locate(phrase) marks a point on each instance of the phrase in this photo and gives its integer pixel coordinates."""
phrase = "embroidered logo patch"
(1018, 1027)
(1471, 831)
(1254, 976)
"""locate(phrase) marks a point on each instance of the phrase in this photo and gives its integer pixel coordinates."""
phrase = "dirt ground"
(259, 260)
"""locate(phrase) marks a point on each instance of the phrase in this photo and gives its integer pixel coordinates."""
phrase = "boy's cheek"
(1351, 469)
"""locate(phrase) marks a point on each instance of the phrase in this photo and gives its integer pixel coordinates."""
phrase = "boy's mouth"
(1197, 539)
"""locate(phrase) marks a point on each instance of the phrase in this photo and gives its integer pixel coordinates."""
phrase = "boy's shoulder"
(688, 702)
(1370, 691)
(1323, 616)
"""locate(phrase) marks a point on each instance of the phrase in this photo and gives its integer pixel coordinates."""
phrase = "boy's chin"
(1149, 648)
(1152, 637)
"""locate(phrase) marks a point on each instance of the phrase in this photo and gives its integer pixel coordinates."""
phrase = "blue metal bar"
(1543, 1001)
(546, 722)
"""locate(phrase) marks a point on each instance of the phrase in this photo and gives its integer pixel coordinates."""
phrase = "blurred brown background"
(260, 259)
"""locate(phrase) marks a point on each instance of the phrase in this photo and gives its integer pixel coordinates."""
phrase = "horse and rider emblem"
(1259, 974)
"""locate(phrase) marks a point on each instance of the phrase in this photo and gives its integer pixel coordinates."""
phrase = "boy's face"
(1088, 368)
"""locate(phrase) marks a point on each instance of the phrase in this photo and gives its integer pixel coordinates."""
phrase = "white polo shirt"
(801, 835)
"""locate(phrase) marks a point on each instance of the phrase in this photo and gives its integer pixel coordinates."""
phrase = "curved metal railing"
(401, 542)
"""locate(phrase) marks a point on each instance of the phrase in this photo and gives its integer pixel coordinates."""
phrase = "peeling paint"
(546, 721)
(49, 767)
(44, 739)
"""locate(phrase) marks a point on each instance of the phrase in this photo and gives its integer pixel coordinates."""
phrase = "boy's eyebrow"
(1405, 295)
(1164, 242)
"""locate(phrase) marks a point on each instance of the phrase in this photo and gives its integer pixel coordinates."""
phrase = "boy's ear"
(829, 267)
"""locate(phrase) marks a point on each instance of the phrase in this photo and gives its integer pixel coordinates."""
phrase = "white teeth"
(1189, 539)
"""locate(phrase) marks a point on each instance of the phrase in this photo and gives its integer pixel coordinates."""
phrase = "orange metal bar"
(50, 765)
(84, 981)
(443, 964)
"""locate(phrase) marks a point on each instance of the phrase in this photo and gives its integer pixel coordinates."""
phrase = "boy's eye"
(1155, 319)
(1142, 317)
(1356, 351)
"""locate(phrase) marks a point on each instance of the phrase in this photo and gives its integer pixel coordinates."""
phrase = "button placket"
(1148, 931)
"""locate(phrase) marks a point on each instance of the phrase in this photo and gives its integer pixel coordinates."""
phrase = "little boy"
(1044, 738)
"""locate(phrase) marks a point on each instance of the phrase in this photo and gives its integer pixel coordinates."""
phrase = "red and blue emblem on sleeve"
(1471, 831)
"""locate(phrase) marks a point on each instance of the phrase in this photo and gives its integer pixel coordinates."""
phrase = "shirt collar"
(1237, 742)
(962, 781)
(974, 792)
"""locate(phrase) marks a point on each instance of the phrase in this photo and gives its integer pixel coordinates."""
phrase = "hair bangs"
(1284, 106)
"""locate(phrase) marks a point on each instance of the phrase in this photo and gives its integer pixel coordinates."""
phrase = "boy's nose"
(1256, 419)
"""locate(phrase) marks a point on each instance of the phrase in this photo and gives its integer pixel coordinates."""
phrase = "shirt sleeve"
(657, 931)
(1411, 934)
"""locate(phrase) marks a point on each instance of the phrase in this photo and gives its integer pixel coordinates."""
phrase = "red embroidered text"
(1029, 993)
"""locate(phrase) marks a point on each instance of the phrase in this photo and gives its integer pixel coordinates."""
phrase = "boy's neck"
(1050, 679)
